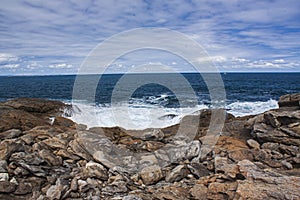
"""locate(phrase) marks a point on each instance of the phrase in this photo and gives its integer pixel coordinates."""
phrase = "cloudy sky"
(54, 37)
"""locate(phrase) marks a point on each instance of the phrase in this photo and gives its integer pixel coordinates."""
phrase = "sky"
(54, 37)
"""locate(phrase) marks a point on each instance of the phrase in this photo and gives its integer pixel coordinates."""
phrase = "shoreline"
(40, 159)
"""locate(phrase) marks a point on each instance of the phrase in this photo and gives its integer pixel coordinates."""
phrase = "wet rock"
(253, 144)
(289, 100)
(151, 174)
(61, 121)
(7, 187)
(177, 174)
(96, 170)
(11, 118)
(13, 133)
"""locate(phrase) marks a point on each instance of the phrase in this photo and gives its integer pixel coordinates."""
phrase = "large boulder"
(289, 100)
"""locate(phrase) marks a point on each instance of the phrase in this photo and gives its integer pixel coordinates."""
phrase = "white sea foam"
(141, 116)
(240, 109)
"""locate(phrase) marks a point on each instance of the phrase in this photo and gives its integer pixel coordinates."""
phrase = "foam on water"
(142, 115)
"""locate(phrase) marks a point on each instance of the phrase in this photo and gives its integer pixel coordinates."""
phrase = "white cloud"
(10, 66)
(5, 57)
(61, 66)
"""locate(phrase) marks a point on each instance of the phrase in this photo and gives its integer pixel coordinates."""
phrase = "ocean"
(153, 105)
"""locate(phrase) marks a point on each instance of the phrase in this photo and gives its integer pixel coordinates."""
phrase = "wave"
(140, 115)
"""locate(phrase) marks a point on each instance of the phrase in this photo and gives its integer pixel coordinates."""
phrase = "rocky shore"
(46, 156)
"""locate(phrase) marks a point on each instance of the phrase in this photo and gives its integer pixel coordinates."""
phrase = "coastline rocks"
(289, 100)
(63, 160)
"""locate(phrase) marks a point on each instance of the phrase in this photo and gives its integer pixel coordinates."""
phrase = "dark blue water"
(248, 87)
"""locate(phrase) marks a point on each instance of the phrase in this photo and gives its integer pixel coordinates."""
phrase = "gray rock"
(4, 177)
(96, 170)
(253, 144)
(198, 170)
(131, 197)
(3, 166)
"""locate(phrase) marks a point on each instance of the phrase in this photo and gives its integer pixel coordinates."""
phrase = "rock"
(3, 166)
(116, 185)
(50, 158)
(56, 143)
(199, 191)
(222, 190)
(222, 166)
(289, 100)
(151, 174)
(253, 144)
(11, 118)
(61, 121)
(96, 170)
(265, 184)
(287, 164)
(177, 174)
(4, 177)
(56, 191)
(23, 188)
(7, 187)
(34, 105)
(131, 197)
(8, 147)
(198, 169)
(12, 133)
(31, 159)
(265, 129)
(79, 150)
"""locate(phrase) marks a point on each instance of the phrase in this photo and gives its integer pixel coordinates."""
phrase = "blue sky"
(54, 37)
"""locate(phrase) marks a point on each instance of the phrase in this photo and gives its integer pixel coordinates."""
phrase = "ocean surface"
(153, 105)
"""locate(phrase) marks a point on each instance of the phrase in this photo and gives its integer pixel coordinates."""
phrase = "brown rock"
(50, 158)
(8, 147)
(7, 187)
(253, 144)
(222, 190)
(289, 100)
(177, 174)
(266, 184)
(151, 174)
(23, 188)
(222, 166)
(96, 170)
(56, 143)
(199, 192)
(13, 133)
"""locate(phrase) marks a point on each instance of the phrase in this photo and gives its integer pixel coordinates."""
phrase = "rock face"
(256, 157)
(289, 100)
